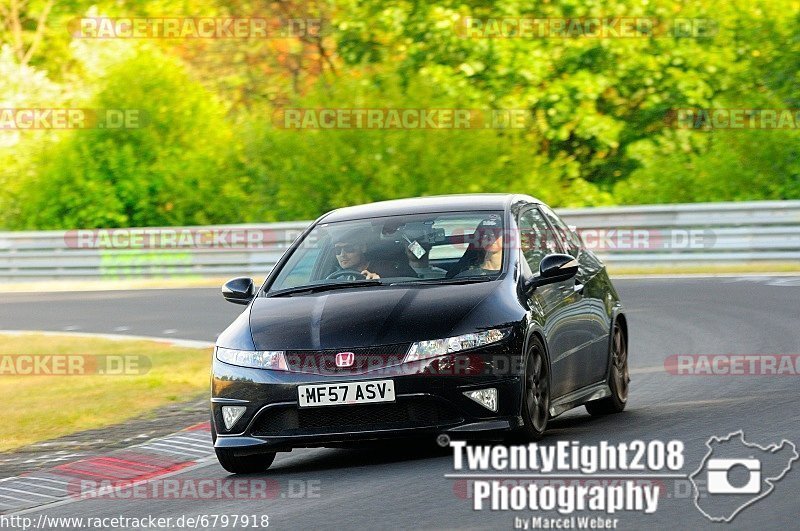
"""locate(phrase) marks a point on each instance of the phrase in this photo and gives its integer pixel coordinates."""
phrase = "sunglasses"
(349, 249)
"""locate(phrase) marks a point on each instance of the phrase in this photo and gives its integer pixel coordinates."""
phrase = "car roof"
(422, 205)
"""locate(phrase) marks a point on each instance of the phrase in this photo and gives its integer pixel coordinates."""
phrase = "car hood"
(363, 317)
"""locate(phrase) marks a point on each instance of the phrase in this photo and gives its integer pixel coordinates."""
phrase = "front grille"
(366, 358)
(409, 413)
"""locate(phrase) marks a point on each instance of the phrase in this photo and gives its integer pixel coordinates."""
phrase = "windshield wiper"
(462, 280)
(316, 288)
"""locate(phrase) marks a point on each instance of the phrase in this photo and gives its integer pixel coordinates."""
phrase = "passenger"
(485, 255)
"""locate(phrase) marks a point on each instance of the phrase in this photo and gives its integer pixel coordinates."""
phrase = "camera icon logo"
(719, 482)
(735, 474)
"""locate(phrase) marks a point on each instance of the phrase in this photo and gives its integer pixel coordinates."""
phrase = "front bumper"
(429, 400)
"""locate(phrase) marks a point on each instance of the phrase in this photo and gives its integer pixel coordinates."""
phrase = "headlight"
(439, 347)
(259, 359)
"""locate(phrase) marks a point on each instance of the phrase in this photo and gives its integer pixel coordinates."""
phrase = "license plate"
(346, 393)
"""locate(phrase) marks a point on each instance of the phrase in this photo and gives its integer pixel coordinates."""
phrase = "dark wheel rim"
(619, 370)
(537, 393)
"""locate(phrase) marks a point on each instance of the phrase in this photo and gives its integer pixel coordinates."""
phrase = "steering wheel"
(347, 274)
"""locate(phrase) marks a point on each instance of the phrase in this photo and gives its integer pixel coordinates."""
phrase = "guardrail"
(687, 234)
(696, 234)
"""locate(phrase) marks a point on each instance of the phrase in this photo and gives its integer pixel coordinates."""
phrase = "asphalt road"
(405, 487)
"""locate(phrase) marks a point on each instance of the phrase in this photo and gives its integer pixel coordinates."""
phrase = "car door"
(592, 331)
(557, 302)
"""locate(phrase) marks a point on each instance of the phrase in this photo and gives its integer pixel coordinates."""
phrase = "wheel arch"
(533, 331)
(539, 334)
(617, 316)
(623, 321)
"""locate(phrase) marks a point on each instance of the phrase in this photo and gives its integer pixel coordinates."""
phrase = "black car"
(466, 316)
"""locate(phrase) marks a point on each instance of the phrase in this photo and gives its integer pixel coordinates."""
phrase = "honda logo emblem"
(345, 359)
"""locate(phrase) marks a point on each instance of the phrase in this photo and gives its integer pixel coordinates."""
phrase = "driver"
(351, 256)
(351, 253)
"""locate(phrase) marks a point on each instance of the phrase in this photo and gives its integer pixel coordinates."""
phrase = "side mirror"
(554, 268)
(239, 290)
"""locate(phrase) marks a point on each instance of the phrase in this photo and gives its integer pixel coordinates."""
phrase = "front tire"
(618, 379)
(240, 464)
(244, 464)
(536, 392)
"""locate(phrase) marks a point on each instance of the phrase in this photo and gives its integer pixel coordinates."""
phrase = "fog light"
(230, 414)
(485, 397)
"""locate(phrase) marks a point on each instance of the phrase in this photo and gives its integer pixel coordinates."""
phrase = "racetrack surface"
(404, 486)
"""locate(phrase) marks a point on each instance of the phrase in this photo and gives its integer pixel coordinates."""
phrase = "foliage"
(173, 170)
(212, 152)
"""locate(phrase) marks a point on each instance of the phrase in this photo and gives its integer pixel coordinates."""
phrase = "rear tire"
(240, 464)
(618, 380)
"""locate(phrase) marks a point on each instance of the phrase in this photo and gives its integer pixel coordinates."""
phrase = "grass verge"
(764, 268)
(118, 284)
(38, 407)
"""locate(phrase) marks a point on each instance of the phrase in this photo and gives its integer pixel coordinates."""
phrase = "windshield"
(436, 247)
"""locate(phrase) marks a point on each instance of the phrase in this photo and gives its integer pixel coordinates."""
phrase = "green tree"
(176, 169)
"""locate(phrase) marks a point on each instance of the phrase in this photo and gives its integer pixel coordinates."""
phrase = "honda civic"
(465, 316)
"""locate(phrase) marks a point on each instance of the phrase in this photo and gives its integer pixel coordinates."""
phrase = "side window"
(569, 239)
(302, 271)
(536, 238)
